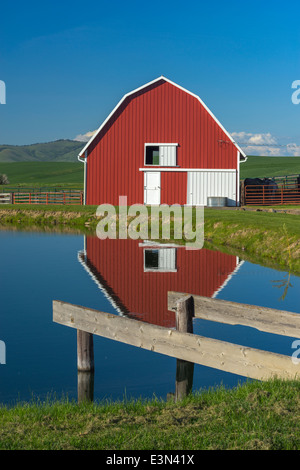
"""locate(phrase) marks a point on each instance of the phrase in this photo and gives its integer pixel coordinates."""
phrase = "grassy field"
(67, 174)
(46, 174)
(252, 416)
(260, 167)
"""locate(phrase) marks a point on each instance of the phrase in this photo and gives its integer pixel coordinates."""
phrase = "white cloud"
(264, 144)
(85, 137)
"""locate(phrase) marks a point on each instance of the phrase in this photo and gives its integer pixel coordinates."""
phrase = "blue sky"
(67, 64)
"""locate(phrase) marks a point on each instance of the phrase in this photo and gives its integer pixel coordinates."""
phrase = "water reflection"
(136, 277)
(127, 278)
(285, 283)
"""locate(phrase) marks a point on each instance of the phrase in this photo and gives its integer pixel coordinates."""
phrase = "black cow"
(260, 190)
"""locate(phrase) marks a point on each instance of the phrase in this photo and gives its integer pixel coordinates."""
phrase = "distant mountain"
(57, 151)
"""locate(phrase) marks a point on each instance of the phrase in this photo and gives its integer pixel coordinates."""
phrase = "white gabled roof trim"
(145, 86)
(239, 263)
(190, 170)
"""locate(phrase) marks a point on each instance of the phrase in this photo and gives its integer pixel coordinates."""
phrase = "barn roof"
(161, 78)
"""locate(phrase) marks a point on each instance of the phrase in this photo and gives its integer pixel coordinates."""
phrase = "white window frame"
(155, 144)
(160, 269)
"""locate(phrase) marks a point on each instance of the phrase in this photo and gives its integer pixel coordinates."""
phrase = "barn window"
(162, 259)
(161, 154)
(152, 155)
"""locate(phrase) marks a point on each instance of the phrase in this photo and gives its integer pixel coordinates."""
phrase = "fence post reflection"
(85, 366)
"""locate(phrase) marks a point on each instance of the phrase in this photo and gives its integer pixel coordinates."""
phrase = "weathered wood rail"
(269, 320)
(186, 346)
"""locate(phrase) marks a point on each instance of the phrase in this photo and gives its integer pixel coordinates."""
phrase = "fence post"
(184, 369)
(85, 366)
(242, 193)
(85, 351)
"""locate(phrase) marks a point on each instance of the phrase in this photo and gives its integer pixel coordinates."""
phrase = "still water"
(125, 277)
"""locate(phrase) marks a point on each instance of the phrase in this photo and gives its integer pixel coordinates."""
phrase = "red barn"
(161, 145)
(136, 275)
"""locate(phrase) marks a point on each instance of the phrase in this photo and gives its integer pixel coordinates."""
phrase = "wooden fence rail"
(71, 197)
(264, 195)
(233, 358)
(278, 322)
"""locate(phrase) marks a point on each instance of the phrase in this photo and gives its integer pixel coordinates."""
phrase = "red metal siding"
(160, 113)
(119, 267)
(173, 187)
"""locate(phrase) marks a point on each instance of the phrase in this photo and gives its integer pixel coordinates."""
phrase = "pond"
(124, 277)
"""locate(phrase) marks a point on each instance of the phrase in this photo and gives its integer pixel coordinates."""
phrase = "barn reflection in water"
(136, 275)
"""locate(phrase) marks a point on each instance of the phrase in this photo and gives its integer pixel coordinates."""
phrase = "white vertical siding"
(204, 184)
(167, 155)
(167, 259)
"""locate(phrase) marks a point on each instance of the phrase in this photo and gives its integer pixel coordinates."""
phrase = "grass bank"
(269, 236)
(48, 216)
(255, 415)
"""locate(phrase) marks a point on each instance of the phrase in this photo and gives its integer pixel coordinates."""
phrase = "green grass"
(268, 236)
(255, 415)
(260, 167)
(38, 174)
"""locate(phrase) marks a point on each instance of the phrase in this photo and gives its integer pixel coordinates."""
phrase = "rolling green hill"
(43, 174)
(57, 151)
(264, 167)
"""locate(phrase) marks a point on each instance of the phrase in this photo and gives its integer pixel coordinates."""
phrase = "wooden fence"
(182, 344)
(288, 193)
(64, 197)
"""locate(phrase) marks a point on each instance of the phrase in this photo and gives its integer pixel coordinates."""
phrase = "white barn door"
(204, 184)
(152, 187)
